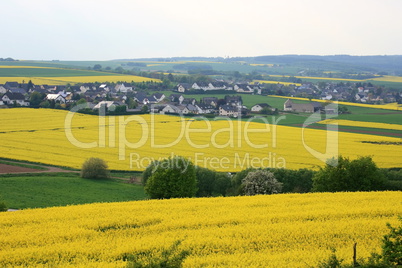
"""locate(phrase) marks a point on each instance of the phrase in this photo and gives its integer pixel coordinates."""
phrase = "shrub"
(94, 168)
(3, 206)
(151, 168)
(361, 174)
(173, 178)
(261, 182)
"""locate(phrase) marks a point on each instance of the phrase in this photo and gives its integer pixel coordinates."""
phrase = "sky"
(128, 29)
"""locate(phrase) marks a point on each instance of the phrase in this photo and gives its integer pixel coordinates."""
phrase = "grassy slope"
(60, 189)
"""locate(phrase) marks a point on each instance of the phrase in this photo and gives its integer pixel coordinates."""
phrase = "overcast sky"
(117, 29)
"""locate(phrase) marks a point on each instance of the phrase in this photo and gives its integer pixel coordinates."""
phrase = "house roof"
(263, 105)
(158, 95)
(11, 84)
(53, 96)
(17, 90)
(14, 96)
(229, 108)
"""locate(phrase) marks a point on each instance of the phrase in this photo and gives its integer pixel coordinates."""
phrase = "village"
(127, 98)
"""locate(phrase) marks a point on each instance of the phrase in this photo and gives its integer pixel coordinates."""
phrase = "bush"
(3, 206)
(94, 168)
(172, 178)
(361, 174)
(151, 168)
(261, 182)
(212, 183)
(294, 181)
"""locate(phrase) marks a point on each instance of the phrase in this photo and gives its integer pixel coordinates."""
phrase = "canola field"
(61, 76)
(361, 124)
(131, 142)
(287, 230)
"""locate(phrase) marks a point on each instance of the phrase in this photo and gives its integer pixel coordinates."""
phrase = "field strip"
(77, 79)
(389, 106)
(361, 124)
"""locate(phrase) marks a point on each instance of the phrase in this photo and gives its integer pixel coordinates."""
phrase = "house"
(14, 98)
(124, 87)
(2, 89)
(170, 109)
(189, 101)
(229, 110)
(9, 85)
(233, 100)
(57, 98)
(103, 87)
(218, 85)
(178, 98)
(141, 97)
(210, 101)
(205, 109)
(110, 105)
(302, 107)
(259, 107)
(158, 96)
(194, 109)
(246, 88)
(183, 87)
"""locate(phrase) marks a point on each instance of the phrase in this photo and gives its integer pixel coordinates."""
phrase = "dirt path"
(16, 169)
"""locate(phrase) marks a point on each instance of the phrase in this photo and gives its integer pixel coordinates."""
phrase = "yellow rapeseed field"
(389, 78)
(287, 230)
(361, 124)
(77, 79)
(130, 142)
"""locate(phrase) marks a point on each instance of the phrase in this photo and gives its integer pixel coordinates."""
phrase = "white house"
(12, 98)
(183, 87)
(259, 107)
(2, 89)
(110, 105)
(123, 88)
(58, 98)
(170, 109)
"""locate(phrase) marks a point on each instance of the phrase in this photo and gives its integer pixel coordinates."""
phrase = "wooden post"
(354, 255)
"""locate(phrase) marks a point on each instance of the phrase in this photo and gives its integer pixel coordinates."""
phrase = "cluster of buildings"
(19, 94)
(345, 92)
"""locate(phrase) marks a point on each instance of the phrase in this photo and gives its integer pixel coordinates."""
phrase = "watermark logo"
(238, 133)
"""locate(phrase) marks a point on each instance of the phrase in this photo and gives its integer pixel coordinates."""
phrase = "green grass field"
(61, 189)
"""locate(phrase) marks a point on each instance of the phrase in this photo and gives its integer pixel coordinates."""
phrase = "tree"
(3, 206)
(361, 174)
(97, 67)
(35, 99)
(144, 109)
(45, 104)
(205, 180)
(119, 69)
(261, 182)
(173, 178)
(94, 168)
(149, 171)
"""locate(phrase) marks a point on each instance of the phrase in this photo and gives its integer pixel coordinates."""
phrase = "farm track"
(16, 169)
(10, 169)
